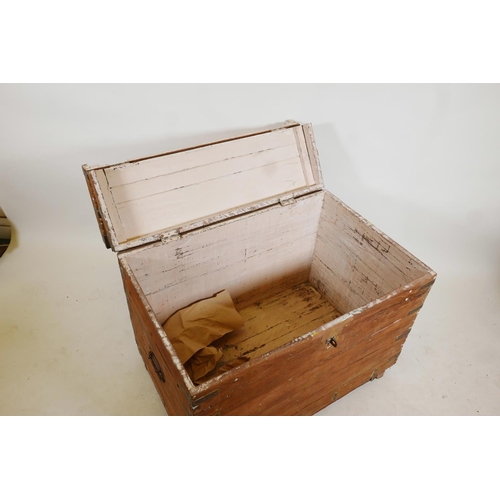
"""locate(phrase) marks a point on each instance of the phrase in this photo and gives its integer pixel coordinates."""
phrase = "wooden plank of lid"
(142, 200)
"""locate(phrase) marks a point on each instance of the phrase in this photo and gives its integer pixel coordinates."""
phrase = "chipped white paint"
(354, 262)
(103, 209)
(255, 131)
(313, 153)
(388, 239)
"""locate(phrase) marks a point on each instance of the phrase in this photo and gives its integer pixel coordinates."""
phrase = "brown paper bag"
(203, 362)
(194, 327)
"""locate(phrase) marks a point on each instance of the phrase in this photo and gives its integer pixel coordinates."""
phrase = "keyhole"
(332, 342)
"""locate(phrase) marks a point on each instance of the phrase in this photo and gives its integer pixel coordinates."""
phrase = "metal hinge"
(287, 200)
(156, 366)
(170, 236)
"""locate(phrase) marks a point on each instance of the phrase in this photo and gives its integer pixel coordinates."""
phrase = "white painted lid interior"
(143, 200)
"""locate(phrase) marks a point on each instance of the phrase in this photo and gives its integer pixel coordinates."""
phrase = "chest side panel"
(166, 376)
(355, 263)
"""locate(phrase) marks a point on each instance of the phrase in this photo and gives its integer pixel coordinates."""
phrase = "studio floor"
(67, 346)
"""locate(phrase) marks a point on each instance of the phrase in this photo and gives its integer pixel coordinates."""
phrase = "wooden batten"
(155, 198)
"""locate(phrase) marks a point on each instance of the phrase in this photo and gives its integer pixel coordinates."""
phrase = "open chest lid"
(159, 197)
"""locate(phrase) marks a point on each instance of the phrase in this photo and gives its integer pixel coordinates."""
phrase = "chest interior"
(290, 270)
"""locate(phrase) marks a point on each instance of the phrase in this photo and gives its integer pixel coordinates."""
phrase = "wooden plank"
(312, 152)
(179, 176)
(111, 213)
(262, 252)
(265, 148)
(103, 212)
(305, 161)
(95, 205)
(256, 131)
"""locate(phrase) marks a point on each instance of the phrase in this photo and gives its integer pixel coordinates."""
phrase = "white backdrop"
(422, 162)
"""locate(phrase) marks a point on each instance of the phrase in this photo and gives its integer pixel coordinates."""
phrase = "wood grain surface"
(276, 320)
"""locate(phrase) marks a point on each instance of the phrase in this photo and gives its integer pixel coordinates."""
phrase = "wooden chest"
(328, 300)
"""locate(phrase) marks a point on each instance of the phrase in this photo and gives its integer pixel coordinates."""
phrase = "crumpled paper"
(203, 362)
(194, 327)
